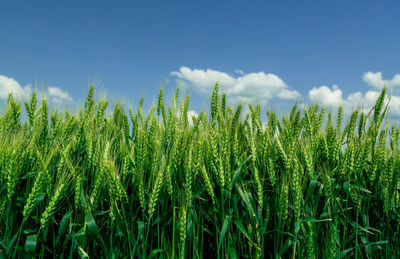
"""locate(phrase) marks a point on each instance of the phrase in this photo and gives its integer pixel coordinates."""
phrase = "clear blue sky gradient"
(131, 47)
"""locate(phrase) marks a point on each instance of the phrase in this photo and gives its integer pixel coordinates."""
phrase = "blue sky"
(272, 52)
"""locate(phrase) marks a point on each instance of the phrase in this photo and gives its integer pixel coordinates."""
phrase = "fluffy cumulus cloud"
(326, 96)
(375, 80)
(11, 86)
(58, 95)
(253, 87)
(261, 88)
(333, 98)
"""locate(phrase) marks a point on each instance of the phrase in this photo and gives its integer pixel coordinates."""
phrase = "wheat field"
(222, 185)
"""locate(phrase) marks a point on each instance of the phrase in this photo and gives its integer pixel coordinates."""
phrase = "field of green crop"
(157, 185)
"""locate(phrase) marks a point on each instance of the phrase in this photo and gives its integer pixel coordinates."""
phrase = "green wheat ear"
(214, 103)
(283, 201)
(379, 105)
(89, 98)
(51, 206)
(160, 102)
(12, 176)
(182, 230)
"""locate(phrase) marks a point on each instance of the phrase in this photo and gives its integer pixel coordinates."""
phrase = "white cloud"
(58, 94)
(261, 88)
(10, 86)
(326, 96)
(376, 80)
(332, 98)
(394, 105)
(288, 94)
(253, 87)
(358, 100)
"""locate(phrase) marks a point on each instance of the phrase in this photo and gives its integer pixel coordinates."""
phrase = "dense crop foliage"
(156, 184)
